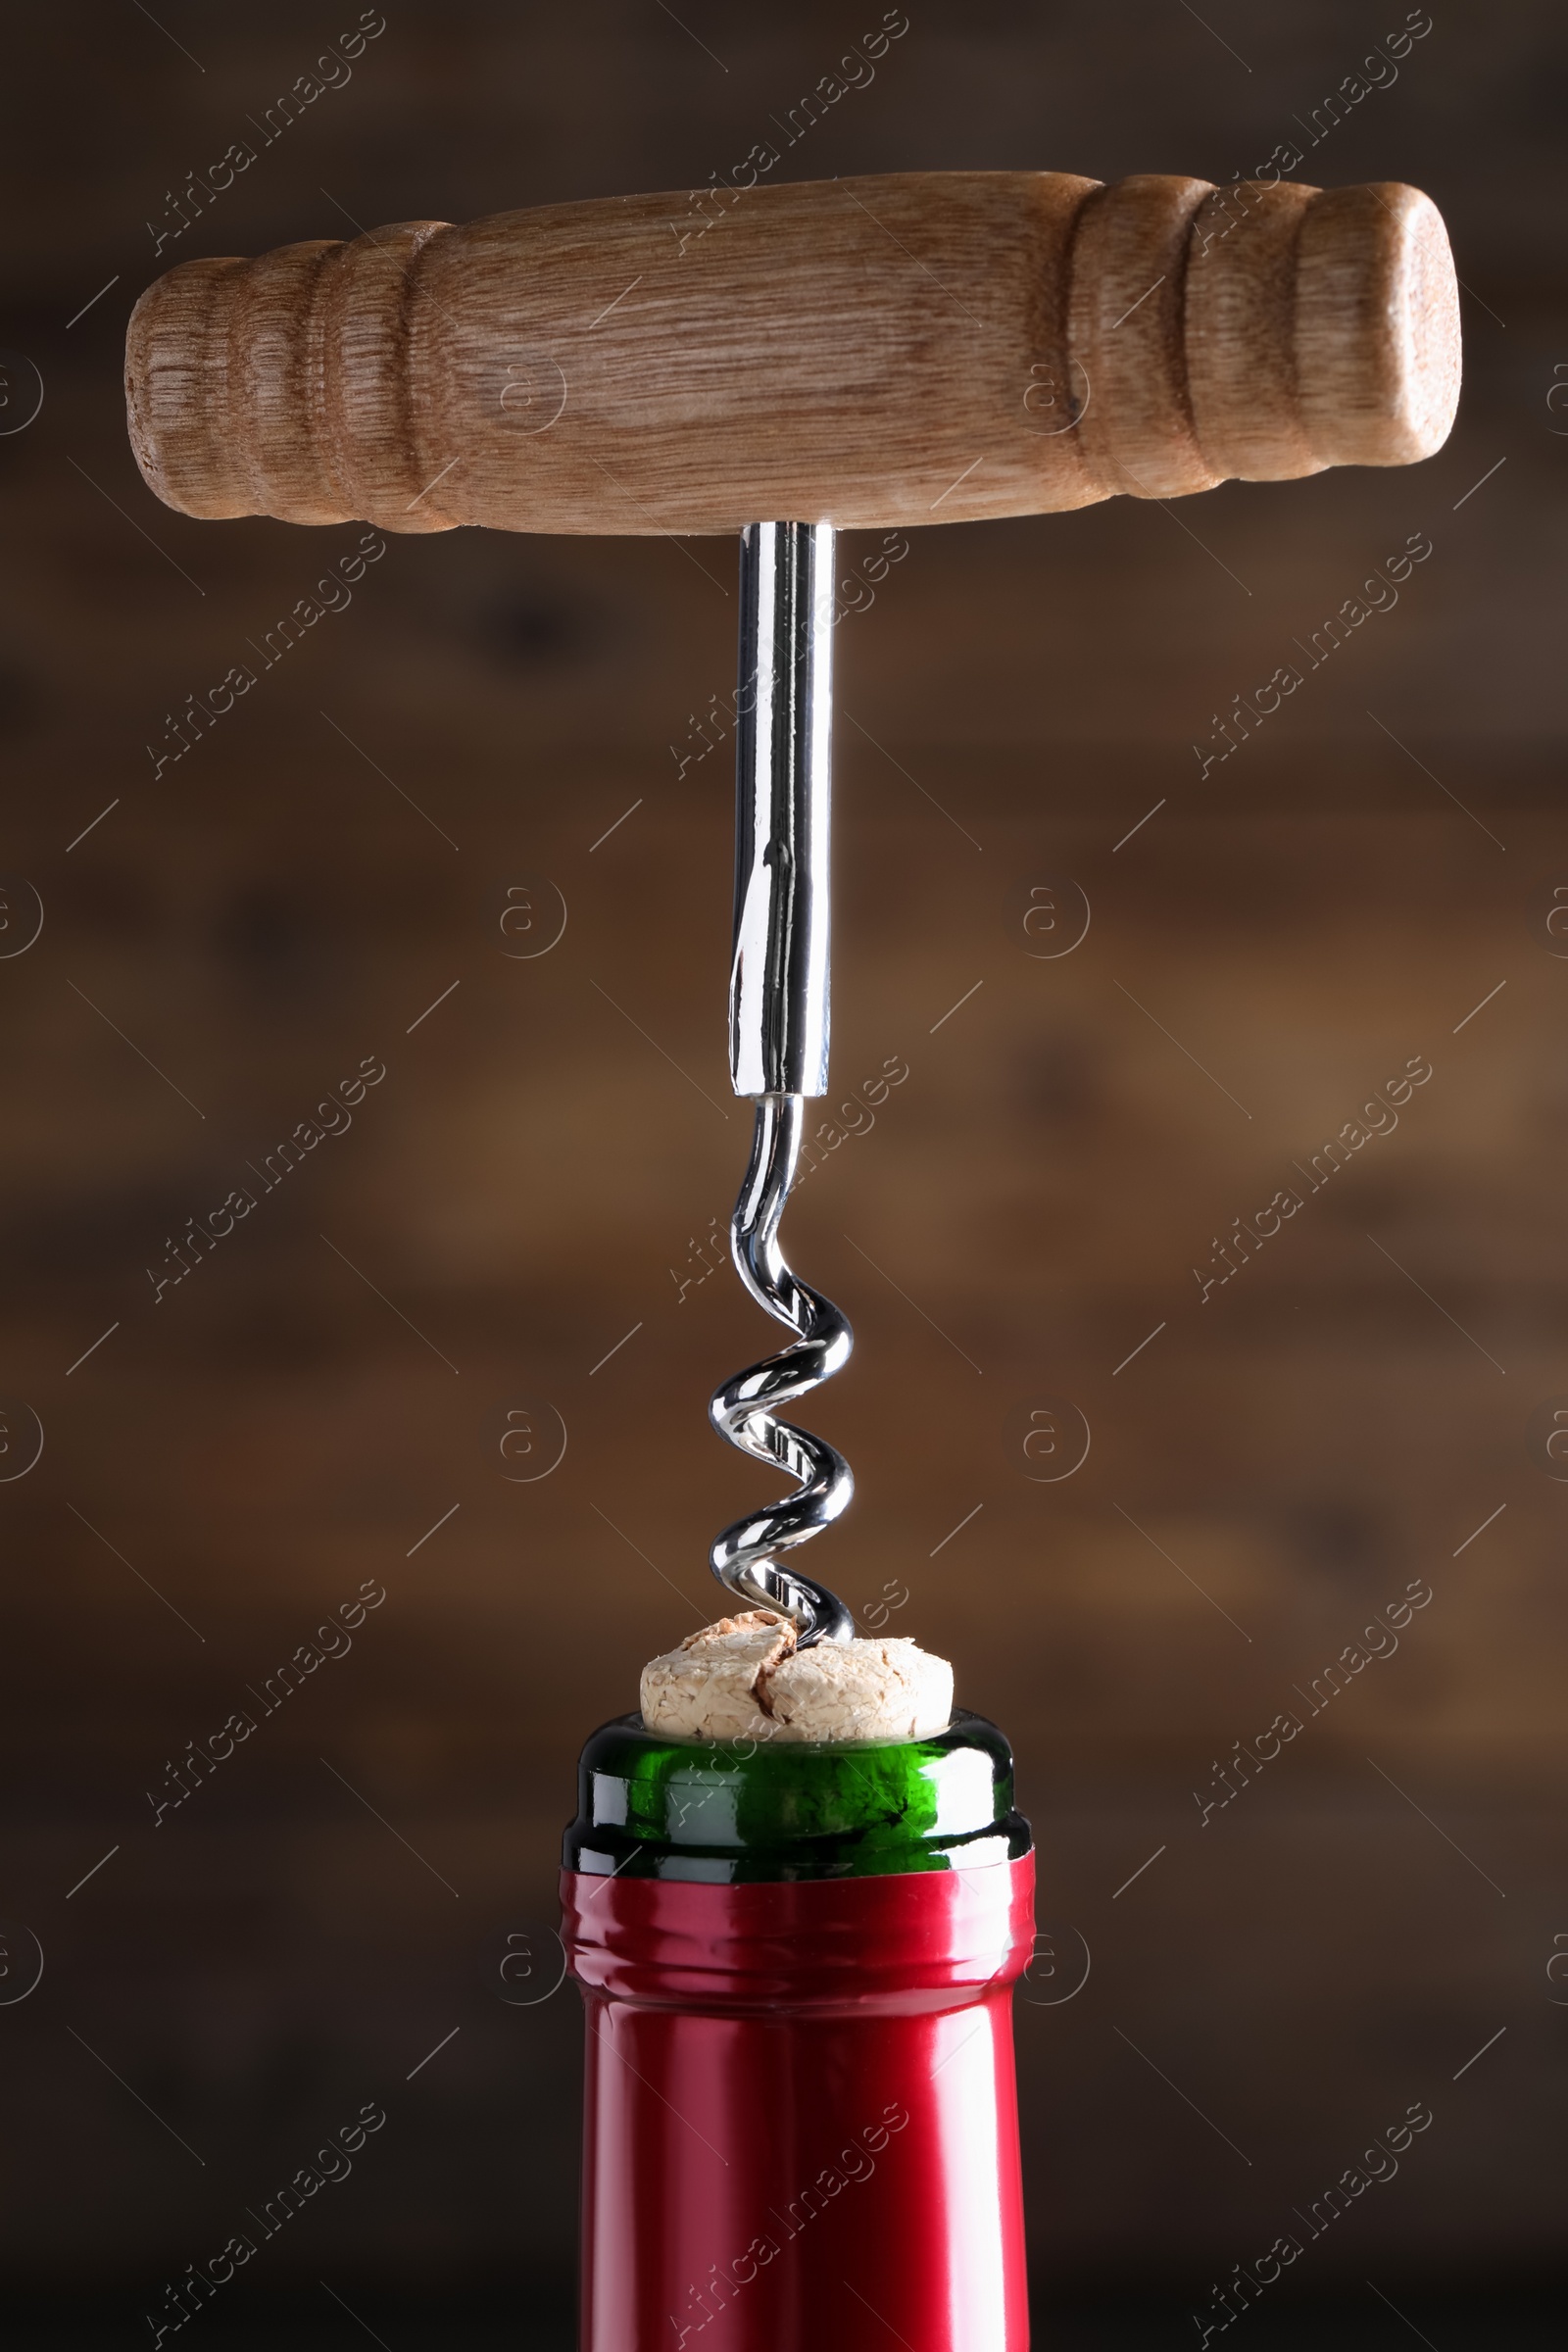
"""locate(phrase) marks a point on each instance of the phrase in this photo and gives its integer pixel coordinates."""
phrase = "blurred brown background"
(322, 879)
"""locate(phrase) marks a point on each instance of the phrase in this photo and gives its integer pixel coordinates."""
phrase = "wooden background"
(553, 1143)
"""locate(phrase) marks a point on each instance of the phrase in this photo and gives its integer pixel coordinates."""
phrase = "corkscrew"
(779, 1003)
(877, 355)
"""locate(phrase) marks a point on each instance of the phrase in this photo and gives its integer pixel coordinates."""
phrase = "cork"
(743, 1678)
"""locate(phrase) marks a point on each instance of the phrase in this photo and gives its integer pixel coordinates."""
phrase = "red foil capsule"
(802, 2124)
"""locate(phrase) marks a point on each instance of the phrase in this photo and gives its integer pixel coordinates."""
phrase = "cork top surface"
(743, 1678)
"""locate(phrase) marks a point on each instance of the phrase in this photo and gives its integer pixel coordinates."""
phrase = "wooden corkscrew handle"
(918, 347)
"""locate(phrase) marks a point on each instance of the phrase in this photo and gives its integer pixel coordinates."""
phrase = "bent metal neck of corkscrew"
(778, 1028)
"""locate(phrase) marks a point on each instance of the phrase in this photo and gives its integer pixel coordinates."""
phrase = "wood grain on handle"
(915, 348)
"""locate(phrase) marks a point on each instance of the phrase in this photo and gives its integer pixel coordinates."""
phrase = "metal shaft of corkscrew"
(778, 1042)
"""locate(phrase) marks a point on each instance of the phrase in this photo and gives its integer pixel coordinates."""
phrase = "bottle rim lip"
(728, 1812)
(962, 1719)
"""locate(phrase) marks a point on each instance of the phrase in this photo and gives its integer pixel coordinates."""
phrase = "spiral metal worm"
(745, 1409)
(778, 1040)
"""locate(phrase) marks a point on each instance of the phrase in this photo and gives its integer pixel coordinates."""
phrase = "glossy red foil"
(801, 2130)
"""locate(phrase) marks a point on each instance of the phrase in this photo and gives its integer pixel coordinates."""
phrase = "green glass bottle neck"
(724, 1811)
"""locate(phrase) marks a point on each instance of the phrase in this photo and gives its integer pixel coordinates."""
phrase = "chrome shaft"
(778, 986)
